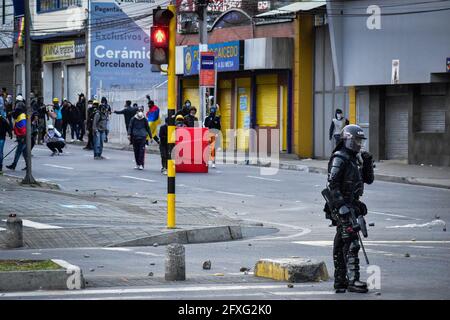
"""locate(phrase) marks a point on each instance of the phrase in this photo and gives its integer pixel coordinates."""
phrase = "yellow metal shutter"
(225, 108)
(267, 101)
(243, 112)
(191, 92)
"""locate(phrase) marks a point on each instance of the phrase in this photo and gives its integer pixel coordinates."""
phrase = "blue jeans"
(2, 146)
(21, 150)
(99, 137)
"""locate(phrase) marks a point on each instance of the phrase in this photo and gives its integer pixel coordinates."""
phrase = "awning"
(293, 8)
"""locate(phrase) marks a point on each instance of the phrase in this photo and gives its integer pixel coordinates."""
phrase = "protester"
(91, 109)
(163, 146)
(41, 120)
(9, 109)
(191, 120)
(99, 127)
(74, 119)
(179, 121)
(128, 111)
(153, 119)
(57, 109)
(212, 122)
(54, 140)
(107, 107)
(34, 129)
(184, 109)
(65, 117)
(137, 134)
(81, 106)
(4, 129)
(20, 130)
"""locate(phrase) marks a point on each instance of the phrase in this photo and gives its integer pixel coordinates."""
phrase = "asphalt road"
(408, 242)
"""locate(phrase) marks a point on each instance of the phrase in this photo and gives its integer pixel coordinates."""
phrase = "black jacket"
(139, 128)
(4, 128)
(190, 120)
(129, 113)
(213, 122)
(73, 114)
(81, 106)
(163, 135)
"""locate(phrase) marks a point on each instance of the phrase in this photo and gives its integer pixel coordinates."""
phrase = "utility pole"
(29, 179)
(203, 46)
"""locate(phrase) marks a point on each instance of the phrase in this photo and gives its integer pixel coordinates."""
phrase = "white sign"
(395, 76)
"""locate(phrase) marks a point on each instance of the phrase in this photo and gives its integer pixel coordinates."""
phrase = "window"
(52, 5)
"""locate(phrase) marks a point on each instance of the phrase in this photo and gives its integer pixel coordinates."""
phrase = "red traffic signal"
(159, 47)
(160, 37)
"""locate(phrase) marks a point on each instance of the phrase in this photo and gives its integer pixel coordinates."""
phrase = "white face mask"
(339, 116)
(140, 114)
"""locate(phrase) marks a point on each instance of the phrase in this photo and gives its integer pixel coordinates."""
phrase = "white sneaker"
(136, 167)
(164, 172)
(141, 167)
(213, 165)
(72, 141)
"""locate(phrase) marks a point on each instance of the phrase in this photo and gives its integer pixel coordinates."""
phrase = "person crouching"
(54, 140)
(137, 134)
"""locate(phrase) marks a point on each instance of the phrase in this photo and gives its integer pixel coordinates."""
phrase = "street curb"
(292, 270)
(200, 235)
(70, 277)
(42, 184)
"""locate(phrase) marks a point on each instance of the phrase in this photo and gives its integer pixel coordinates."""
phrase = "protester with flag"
(153, 119)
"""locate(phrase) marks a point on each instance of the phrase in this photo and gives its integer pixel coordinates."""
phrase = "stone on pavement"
(292, 269)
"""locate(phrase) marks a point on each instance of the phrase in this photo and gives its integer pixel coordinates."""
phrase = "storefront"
(64, 70)
(252, 87)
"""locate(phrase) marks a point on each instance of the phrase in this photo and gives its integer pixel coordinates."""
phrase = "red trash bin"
(191, 145)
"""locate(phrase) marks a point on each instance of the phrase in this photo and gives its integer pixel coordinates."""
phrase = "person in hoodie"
(5, 128)
(74, 119)
(105, 106)
(54, 140)
(212, 122)
(137, 134)
(163, 147)
(20, 130)
(337, 124)
(57, 109)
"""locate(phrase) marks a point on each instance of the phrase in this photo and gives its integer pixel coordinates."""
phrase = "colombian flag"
(20, 125)
(153, 119)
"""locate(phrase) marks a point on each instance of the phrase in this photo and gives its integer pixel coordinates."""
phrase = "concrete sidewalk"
(57, 219)
(386, 170)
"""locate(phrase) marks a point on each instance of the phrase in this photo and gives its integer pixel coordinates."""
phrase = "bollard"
(14, 234)
(175, 263)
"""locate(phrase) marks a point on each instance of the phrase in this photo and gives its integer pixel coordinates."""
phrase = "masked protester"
(337, 124)
(20, 131)
(212, 122)
(137, 134)
(128, 111)
(179, 121)
(163, 146)
(54, 140)
(346, 178)
(191, 120)
(4, 129)
(153, 119)
(81, 106)
(184, 109)
(99, 127)
(91, 110)
(105, 106)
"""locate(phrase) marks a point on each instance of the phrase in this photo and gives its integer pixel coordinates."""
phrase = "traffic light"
(159, 36)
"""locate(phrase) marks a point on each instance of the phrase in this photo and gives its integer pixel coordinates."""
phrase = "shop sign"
(63, 50)
(227, 57)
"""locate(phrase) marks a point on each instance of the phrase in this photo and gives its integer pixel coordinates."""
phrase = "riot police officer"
(348, 170)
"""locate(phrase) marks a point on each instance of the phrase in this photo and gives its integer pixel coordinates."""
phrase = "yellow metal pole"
(171, 103)
(352, 104)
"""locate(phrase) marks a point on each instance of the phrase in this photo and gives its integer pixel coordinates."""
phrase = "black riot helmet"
(353, 137)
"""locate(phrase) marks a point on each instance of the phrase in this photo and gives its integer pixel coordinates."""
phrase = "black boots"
(358, 287)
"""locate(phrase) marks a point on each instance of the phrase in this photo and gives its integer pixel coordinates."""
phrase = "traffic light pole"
(171, 103)
(203, 31)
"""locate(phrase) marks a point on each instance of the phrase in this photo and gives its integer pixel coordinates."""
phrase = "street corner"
(292, 269)
(29, 275)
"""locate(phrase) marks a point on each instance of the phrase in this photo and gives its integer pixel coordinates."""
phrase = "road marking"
(56, 166)
(261, 178)
(37, 225)
(142, 290)
(291, 209)
(2, 229)
(236, 194)
(434, 223)
(302, 293)
(135, 178)
(149, 254)
(78, 206)
(299, 234)
(324, 243)
(393, 215)
(116, 249)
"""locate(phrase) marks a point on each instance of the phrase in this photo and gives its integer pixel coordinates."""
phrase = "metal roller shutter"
(267, 101)
(76, 77)
(225, 108)
(397, 127)
(7, 72)
(191, 92)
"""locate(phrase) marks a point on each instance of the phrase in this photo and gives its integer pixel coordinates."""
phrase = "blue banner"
(120, 52)
(227, 57)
